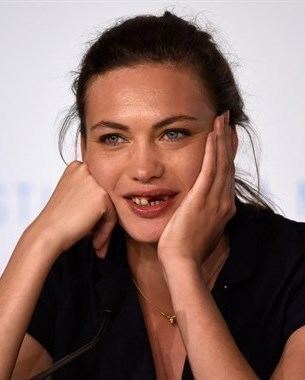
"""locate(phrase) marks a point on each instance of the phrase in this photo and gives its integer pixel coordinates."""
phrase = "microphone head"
(113, 295)
(112, 299)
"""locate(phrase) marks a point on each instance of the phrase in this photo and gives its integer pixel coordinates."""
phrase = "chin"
(144, 234)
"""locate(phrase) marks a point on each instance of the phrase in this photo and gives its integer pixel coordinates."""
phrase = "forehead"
(155, 90)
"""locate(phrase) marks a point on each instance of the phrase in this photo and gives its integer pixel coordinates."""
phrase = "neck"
(147, 271)
(148, 274)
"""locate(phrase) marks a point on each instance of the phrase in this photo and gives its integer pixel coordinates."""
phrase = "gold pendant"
(172, 319)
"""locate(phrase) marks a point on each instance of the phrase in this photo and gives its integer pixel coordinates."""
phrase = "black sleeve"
(295, 312)
(43, 320)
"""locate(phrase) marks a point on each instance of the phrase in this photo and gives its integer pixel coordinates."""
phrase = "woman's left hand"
(197, 225)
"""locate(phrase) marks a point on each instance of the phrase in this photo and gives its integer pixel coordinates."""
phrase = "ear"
(83, 147)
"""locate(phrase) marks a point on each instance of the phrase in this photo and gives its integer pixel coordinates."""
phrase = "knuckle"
(72, 166)
(102, 195)
(233, 209)
(98, 194)
(226, 208)
(210, 173)
(224, 168)
(214, 208)
(75, 164)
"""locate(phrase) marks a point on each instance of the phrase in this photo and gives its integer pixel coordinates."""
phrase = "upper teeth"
(144, 201)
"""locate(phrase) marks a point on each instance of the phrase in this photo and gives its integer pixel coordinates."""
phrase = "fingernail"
(218, 124)
(101, 252)
(98, 253)
(221, 124)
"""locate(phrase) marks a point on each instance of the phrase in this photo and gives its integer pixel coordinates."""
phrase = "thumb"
(101, 238)
(102, 232)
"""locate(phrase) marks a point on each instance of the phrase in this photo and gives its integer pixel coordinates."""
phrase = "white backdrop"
(41, 42)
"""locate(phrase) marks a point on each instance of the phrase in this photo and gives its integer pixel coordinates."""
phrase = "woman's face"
(127, 152)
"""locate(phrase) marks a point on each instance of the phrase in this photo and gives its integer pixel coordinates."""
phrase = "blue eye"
(172, 135)
(111, 139)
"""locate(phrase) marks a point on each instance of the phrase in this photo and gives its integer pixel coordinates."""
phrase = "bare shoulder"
(32, 358)
(292, 364)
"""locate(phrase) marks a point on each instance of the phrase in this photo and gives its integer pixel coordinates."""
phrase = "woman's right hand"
(78, 206)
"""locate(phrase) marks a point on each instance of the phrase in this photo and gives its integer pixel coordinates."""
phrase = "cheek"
(188, 166)
(103, 172)
(191, 173)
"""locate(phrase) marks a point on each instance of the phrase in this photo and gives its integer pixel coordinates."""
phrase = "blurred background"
(43, 42)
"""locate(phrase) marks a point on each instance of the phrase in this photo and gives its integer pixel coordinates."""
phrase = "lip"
(151, 211)
(150, 193)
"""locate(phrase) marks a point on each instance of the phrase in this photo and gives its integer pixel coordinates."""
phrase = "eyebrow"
(158, 125)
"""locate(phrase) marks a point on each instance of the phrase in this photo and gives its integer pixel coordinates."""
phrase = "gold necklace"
(171, 318)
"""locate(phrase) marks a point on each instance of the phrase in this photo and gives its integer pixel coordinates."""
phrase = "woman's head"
(158, 64)
(146, 130)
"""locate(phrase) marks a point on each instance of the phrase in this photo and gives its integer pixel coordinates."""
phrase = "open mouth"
(150, 206)
(149, 201)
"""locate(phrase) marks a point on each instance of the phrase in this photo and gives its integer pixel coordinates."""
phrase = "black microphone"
(112, 301)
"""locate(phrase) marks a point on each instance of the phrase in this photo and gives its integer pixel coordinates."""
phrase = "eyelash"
(104, 138)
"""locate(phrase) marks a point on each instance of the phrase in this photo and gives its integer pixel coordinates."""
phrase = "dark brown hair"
(166, 39)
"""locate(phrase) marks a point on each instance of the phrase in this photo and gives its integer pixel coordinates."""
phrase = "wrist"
(180, 273)
(171, 258)
(44, 238)
(171, 263)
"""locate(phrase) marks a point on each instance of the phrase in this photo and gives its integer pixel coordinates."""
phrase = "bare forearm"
(211, 349)
(20, 286)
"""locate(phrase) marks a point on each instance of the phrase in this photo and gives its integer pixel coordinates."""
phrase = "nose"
(146, 163)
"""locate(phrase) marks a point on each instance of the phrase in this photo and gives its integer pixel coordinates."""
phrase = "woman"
(214, 287)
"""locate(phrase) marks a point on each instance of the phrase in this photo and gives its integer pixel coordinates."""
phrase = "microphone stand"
(68, 358)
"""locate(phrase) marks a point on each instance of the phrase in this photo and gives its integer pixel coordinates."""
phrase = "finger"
(229, 187)
(222, 159)
(229, 137)
(227, 196)
(106, 222)
(206, 176)
(102, 251)
(103, 230)
(99, 236)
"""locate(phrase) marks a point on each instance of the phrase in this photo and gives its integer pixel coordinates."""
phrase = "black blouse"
(260, 292)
